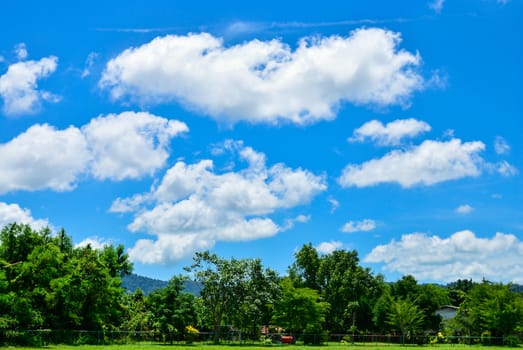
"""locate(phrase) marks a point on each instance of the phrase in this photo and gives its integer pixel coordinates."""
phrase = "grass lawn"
(331, 346)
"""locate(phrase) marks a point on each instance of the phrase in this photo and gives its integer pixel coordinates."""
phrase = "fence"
(74, 337)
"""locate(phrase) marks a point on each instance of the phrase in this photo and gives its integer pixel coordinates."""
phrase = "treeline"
(47, 283)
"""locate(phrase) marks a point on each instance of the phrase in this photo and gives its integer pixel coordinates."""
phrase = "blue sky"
(252, 128)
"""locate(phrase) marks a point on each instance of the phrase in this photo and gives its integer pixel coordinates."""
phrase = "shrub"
(191, 334)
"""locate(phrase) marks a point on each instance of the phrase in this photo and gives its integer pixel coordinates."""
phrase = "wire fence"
(44, 337)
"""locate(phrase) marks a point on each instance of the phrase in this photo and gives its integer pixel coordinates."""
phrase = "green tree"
(171, 308)
(304, 270)
(116, 260)
(261, 290)
(458, 291)
(350, 290)
(225, 286)
(45, 282)
(490, 307)
(138, 316)
(429, 299)
(405, 316)
(299, 308)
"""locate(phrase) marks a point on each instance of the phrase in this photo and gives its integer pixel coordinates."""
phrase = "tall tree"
(261, 290)
(304, 270)
(227, 286)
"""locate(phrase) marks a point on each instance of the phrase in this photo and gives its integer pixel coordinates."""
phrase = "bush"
(512, 341)
(191, 334)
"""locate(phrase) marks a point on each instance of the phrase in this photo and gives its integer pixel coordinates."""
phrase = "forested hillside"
(133, 282)
(47, 283)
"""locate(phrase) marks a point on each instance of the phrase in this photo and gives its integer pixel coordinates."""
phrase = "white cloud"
(298, 219)
(501, 145)
(10, 213)
(21, 51)
(96, 243)
(335, 204)
(359, 226)
(89, 62)
(506, 169)
(328, 247)
(129, 145)
(390, 134)
(427, 164)
(463, 255)
(464, 209)
(194, 206)
(19, 88)
(267, 81)
(437, 5)
(124, 146)
(43, 158)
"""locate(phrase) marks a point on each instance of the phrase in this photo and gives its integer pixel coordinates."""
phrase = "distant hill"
(132, 282)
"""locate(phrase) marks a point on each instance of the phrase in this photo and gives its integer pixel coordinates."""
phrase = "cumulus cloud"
(195, 206)
(266, 81)
(43, 158)
(129, 144)
(328, 247)
(427, 164)
(390, 134)
(501, 145)
(463, 255)
(464, 209)
(19, 85)
(116, 147)
(359, 226)
(10, 213)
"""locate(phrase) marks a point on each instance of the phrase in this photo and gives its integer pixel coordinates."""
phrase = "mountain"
(132, 282)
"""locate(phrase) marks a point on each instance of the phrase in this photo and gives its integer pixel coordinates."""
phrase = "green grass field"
(337, 346)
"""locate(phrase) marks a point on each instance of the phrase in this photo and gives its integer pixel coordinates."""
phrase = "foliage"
(171, 309)
(299, 309)
(350, 289)
(491, 307)
(405, 316)
(47, 283)
(191, 334)
(233, 290)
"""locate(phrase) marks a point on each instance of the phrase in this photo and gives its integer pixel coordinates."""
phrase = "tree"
(429, 299)
(171, 308)
(350, 290)
(458, 291)
(137, 316)
(261, 290)
(299, 308)
(116, 260)
(230, 286)
(490, 307)
(46, 282)
(405, 316)
(305, 268)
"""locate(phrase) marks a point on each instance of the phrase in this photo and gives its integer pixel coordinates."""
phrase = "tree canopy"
(47, 283)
